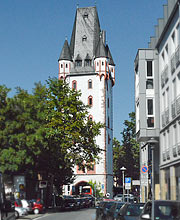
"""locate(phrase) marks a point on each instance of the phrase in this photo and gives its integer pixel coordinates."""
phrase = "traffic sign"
(127, 182)
(144, 169)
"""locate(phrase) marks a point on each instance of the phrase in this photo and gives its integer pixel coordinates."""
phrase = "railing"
(168, 154)
(174, 151)
(173, 63)
(178, 148)
(178, 105)
(177, 56)
(167, 116)
(164, 76)
(173, 109)
(164, 156)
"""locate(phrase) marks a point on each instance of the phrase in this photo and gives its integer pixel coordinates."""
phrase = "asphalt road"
(84, 214)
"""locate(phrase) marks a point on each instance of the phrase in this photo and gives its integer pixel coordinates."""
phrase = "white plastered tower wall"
(89, 58)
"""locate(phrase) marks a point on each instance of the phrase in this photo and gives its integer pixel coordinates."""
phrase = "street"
(88, 214)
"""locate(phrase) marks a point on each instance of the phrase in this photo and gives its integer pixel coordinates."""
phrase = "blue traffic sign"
(127, 179)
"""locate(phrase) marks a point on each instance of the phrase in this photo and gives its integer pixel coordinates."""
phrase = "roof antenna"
(77, 5)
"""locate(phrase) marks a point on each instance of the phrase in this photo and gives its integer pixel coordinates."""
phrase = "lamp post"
(152, 143)
(123, 169)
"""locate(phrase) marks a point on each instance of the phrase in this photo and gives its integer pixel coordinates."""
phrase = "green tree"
(127, 153)
(46, 132)
(96, 187)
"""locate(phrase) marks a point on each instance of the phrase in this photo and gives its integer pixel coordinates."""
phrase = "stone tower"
(87, 65)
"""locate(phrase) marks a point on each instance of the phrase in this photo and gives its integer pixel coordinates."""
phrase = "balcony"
(168, 154)
(167, 116)
(173, 109)
(173, 63)
(164, 76)
(164, 156)
(177, 57)
(178, 148)
(178, 105)
(174, 151)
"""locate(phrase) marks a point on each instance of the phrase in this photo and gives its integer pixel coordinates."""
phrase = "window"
(149, 84)
(84, 38)
(108, 122)
(150, 113)
(85, 15)
(87, 62)
(74, 85)
(66, 65)
(90, 117)
(97, 63)
(89, 84)
(108, 102)
(90, 101)
(61, 65)
(149, 68)
(102, 63)
(78, 63)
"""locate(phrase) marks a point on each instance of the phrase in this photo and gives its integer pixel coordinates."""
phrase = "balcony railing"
(178, 148)
(164, 76)
(174, 151)
(173, 109)
(164, 156)
(177, 57)
(168, 154)
(178, 105)
(167, 116)
(173, 63)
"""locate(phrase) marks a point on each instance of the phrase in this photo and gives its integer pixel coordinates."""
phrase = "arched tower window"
(91, 117)
(90, 84)
(90, 100)
(74, 84)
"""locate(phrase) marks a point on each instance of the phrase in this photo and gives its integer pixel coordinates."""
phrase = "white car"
(118, 197)
(26, 205)
(19, 211)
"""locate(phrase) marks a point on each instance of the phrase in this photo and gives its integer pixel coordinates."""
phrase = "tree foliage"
(46, 132)
(127, 153)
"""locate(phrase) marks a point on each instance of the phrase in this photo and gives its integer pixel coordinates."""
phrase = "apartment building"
(157, 100)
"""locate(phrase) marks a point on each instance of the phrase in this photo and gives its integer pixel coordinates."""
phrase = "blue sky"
(32, 33)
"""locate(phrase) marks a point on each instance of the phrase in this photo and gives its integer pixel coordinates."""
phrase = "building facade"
(157, 92)
(87, 65)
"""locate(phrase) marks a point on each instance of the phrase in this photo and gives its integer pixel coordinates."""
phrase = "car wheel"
(36, 211)
(16, 214)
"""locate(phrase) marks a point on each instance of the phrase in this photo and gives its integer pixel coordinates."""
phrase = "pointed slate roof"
(101, 49)
(111, 62)
(65, 53)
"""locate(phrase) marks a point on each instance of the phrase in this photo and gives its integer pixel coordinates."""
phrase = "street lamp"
(123, 169)
(152, 141)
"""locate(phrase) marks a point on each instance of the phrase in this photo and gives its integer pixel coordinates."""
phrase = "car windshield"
(134, 210)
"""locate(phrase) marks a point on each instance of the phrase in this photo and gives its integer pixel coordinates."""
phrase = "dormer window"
(78, 61)
(87, 61)
(84, 38)
(85, 15)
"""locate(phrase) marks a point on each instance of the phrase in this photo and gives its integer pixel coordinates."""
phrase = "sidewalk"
(34, 216)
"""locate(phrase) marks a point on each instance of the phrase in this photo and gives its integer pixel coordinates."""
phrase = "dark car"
(102, 209)
(130, 211)
(163, 209)
(69, 202)
(113, 211)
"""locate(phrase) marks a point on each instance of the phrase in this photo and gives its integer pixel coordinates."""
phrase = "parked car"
(27, 205)
(37, 206)
(113, 211)
(130, 211)
(118, 197)
(69, 202)
(163, 209)
(20, 211)
(102, 210)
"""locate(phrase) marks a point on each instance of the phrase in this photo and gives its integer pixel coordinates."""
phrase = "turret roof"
(111, 62)
(65, 53)
(101, 49)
